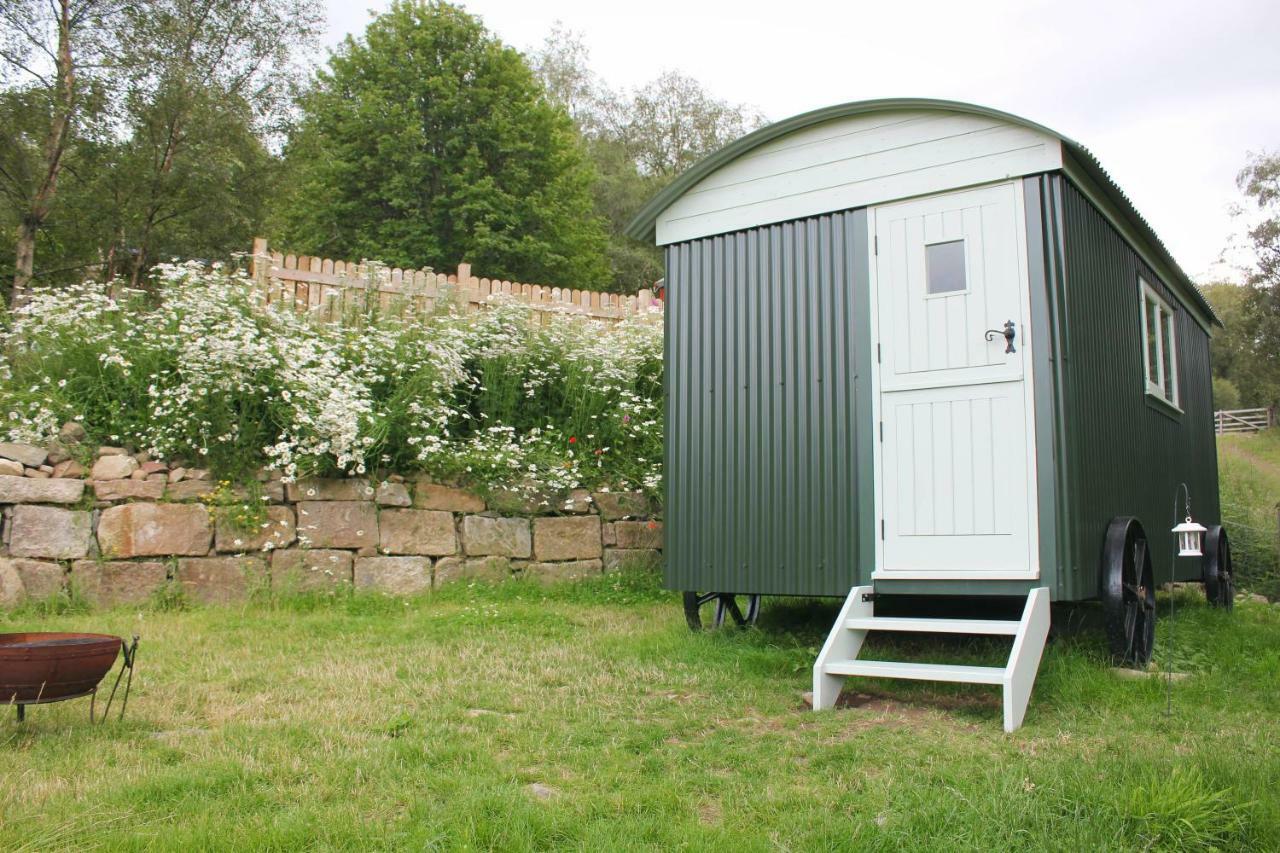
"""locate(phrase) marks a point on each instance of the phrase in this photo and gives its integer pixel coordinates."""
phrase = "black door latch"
(1009, 334)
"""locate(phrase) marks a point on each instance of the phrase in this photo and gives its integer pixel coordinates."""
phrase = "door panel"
(956, 479)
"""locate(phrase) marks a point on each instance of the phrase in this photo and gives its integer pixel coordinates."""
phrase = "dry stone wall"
(128, 528)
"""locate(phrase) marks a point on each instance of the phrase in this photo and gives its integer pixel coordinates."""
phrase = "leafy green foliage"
(1244, 352)
(429, 142)
(1247, 351)
(174, 105)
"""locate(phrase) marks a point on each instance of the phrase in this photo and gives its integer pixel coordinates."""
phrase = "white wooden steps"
(839, 656)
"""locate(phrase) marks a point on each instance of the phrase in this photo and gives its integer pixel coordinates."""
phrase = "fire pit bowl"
(46, 666)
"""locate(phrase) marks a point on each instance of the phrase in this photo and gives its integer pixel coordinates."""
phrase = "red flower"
(573, 440)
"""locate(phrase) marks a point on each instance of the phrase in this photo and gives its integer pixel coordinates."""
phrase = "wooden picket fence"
(1243, 420)
(329, 287)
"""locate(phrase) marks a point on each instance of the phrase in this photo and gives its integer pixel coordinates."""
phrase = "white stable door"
(954, 464)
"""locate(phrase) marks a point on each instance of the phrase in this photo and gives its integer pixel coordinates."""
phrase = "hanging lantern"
(1189, 535)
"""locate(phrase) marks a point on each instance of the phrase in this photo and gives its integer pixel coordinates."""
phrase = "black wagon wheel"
(712, 609)
(1219, 581)
(1128, 593)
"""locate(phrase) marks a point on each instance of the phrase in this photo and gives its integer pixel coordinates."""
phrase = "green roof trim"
(642, 226)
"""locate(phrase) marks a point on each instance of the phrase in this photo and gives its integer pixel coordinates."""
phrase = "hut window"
(1159, 345)
(944, 267)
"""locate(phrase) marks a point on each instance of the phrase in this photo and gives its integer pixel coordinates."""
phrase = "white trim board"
(853, 162)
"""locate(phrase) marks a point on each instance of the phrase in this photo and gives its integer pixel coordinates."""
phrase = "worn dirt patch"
(919, 706)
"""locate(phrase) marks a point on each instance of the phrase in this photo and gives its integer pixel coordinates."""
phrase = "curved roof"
(643, 225)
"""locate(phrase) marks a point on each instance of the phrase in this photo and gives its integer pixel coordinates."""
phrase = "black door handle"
(1009, 334)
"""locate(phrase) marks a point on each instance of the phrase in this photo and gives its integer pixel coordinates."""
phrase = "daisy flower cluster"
(197, 369)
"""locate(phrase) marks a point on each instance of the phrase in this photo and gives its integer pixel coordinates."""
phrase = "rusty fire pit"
(45, 666)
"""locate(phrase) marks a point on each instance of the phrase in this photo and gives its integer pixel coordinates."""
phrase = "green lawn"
(590, 718)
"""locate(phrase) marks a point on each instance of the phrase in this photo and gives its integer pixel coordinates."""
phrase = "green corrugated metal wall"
(768, 418)
(1123, 454)
(769, 410)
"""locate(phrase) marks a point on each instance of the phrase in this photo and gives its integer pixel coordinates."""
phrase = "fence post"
(260, 265)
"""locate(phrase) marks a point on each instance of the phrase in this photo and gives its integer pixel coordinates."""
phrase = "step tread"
(918, 671)
(933, 626)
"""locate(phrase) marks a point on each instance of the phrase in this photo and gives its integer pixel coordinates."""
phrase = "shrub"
(198, 370)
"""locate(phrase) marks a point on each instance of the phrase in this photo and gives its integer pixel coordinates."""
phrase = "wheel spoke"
(730, 602)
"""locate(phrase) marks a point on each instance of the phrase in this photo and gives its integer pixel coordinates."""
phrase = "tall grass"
(1249, 484)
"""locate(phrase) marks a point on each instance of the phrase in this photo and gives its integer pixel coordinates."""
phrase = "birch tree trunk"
(55, 147)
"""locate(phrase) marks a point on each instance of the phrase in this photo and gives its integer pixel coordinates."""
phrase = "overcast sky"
(1170, 95)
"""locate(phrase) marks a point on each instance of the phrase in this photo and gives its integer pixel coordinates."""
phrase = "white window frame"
(1155, 385)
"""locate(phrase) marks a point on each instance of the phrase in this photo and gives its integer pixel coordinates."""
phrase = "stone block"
(220, 580)
(10, 468)
(72, 433)
(68, 468)
(615, 505)
(188, 490)
(392, 494)
(568, 538)
(277, 530)
(112, 582)
(40, 579)
(50, 532)
(427, 495)
(106, 450)
(577, 501)
(310, 569)
(626, 559)
(113, 468)
(338, 524)
(347, 489)
(393, 575)
(486, 569)
(502, 537)
(417, 531)
(119, 490)
(154, 530)
(549, 573)
(27, 454)
(37, 473)
(20, 490)
(638, 534)
(12, 591)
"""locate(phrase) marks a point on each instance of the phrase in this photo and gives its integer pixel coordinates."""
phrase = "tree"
(639, 141)
(172, 105)
(430, 142)
(1247, 353)
(50, 49)
(1238, 351)
(203, 80)
(672, 122)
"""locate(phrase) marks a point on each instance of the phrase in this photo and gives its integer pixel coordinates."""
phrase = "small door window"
(944, 267)
(1160, 345)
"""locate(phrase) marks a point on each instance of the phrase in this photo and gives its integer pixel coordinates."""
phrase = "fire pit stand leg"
(130, 652)
(22, 713)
